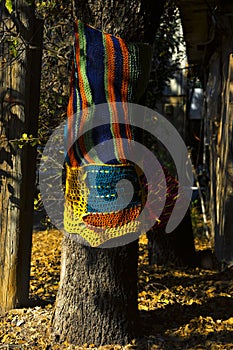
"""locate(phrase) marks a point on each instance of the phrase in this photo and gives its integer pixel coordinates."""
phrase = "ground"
(179, 308)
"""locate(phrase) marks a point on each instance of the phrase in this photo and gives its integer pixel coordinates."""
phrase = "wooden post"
(19, 108)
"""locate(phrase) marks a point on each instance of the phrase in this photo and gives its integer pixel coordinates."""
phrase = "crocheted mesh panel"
(85, 186)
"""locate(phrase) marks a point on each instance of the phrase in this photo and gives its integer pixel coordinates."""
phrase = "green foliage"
(13, 47)
(26, 139)
(9, 6)
(44, 6)
(57, 53)
(58, 40)
(37, 202)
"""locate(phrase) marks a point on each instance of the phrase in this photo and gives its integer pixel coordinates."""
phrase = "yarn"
(83, 212)
(106, 69)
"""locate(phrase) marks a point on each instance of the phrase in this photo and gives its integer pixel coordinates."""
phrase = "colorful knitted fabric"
(107, 70)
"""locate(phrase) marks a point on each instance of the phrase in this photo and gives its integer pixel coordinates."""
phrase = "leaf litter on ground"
(179, 308)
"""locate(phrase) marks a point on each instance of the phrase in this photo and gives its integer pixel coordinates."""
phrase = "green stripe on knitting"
(83, 55)
(105, 68)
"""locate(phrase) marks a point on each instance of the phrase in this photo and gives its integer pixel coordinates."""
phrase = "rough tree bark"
(19, 105)
(97, 297)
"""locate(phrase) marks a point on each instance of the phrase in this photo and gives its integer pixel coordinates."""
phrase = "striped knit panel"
(106, 70)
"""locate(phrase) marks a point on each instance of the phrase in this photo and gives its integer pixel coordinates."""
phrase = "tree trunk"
(97, 297)
(19, 104)
(175, 248)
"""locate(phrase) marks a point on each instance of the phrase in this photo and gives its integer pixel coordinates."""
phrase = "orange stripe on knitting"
(112, 220)
(112, 97)
(83, 99)
(111, 67)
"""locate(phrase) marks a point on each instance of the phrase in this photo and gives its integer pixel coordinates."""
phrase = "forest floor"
(179, 308)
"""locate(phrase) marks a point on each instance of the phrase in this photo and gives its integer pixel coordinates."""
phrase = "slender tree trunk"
(175, 248)
(97, 297)
(19, 104)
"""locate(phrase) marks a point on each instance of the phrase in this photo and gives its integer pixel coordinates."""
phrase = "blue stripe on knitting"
(95, 64)
(101, 134)
(67, 159)
(75, 97)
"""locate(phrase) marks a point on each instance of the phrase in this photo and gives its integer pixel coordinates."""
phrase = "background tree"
(178, 246)
(20, 64)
